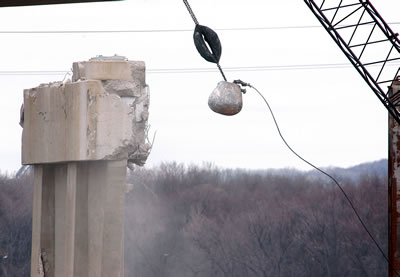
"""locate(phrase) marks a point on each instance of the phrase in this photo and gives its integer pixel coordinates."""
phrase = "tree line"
(203, 221)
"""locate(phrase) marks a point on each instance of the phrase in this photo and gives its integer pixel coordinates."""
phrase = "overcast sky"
(327, 113)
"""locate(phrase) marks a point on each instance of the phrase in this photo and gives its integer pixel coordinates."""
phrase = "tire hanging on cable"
(226, 99)
(203, 36)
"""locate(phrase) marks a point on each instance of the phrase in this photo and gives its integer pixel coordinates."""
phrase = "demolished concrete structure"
(101, 115)
(80, 135)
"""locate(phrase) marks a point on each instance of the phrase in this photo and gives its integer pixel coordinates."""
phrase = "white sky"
(330, 116)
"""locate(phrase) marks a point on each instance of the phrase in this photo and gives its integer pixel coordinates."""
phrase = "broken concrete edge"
(104, 105)
(110, 70)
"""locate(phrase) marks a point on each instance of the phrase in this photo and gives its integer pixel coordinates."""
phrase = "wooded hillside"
(190, 221)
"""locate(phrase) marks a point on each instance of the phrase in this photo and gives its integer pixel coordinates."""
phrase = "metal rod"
(356, 27)
(371, 42)
(384, 61)
(344, 6)
(347, 16)
(369, 37)
(337, 9)
(381, 23)
(388, 81)
(383, 65)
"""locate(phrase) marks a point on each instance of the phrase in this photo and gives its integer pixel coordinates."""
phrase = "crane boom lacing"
(367, 41)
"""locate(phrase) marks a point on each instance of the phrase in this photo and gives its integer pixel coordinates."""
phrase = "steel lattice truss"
(367, 41)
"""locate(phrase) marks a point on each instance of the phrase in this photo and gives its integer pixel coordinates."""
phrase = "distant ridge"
(380, 167)
(377, 168)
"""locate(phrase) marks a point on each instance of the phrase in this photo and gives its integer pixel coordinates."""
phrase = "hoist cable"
(191, 12)
(205, 39)
(323, 172)
(222, 72)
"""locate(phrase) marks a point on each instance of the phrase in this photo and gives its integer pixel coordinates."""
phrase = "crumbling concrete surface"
(101, 115)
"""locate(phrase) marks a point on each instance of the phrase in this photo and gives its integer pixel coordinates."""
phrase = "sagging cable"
(244, 84)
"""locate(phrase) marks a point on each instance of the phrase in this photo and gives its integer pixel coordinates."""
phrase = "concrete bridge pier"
(80, 136)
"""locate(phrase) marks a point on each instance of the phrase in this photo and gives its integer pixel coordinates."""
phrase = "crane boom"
(358, 30)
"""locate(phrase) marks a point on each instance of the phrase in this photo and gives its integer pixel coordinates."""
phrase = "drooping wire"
(321, 171)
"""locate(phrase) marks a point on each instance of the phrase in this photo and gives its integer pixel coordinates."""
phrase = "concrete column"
(80, 136)
(60, 221)
(36, 265)
(106, 187)
(70, 219)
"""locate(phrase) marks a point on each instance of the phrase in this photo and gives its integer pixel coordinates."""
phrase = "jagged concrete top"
(101, 114)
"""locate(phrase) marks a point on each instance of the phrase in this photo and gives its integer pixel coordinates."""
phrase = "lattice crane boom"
(359, 30)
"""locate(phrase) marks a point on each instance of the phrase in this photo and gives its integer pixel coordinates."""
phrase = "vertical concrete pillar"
(60, 184)
(36, 265)
(80, 136)
(70, 219)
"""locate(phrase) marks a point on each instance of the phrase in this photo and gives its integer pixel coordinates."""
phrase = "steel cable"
(191, 12)
(189, 8)
(324, 173)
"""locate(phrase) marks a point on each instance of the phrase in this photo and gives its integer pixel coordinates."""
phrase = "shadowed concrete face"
(80, 136)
